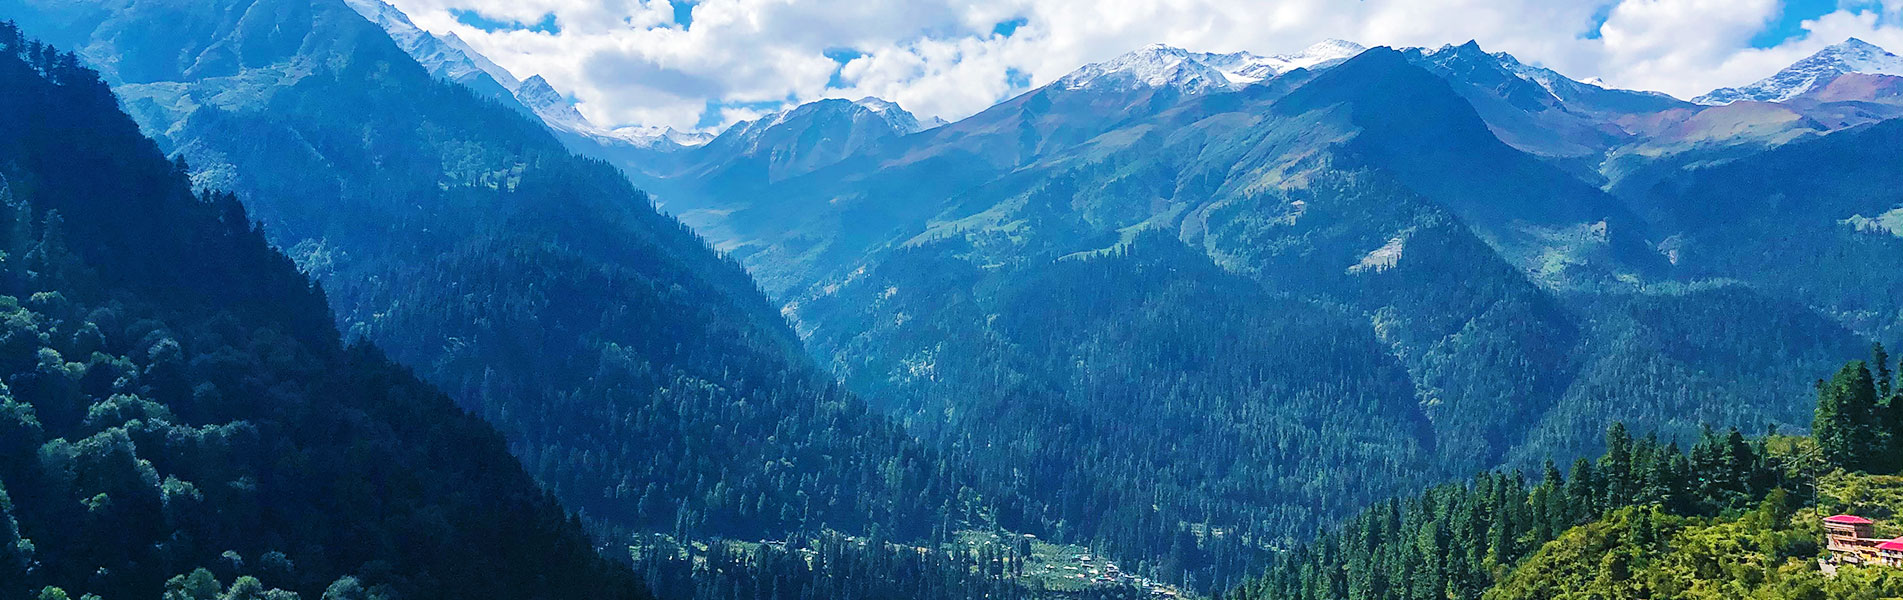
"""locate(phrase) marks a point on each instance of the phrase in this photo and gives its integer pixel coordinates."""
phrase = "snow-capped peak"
(501, 75)
(450, 58)
(1320, 54)
(877, 105)
(901, 120)
(447, 58)
(554, 108)
(559, 112)
(653, 136)
(1153, 66)
(1850, 56)
(536, 93)
(1158, 65)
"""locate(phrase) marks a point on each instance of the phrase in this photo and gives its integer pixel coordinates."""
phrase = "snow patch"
(1890, 223)
(1163, 66)
(1383, 258)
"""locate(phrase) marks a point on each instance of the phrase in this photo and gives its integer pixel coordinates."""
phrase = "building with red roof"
(1890, 553)
(1852, 540)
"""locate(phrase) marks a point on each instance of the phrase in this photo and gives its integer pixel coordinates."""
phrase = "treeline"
(180, 419)
(1476, 539)
(1859, 422)
(1454, 541)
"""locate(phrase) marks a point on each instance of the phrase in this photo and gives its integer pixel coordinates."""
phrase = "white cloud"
(629, 63)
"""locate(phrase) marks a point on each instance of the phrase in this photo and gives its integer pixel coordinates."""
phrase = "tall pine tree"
(1846, 423)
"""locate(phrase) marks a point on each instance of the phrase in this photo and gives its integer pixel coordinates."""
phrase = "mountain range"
(1518, 271)
(1176, 307)
(1511, 247)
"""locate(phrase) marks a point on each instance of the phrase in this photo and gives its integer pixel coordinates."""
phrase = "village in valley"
(1046, 569)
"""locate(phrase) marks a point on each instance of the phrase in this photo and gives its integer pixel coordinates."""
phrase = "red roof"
(1847, 520)
(1896, 544)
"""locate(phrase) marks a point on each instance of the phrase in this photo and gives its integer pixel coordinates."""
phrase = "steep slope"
(175, 397)
(1413, 125)
(1627, 141)
(1814, 220)
(1540, 111)
(1130, 394)
(448, 58)
(451, 59)
(633, 370)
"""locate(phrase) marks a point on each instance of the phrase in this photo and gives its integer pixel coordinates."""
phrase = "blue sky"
(1790, 21)
(706, 63)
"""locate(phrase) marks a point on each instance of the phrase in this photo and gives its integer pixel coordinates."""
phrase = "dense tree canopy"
(177, 409)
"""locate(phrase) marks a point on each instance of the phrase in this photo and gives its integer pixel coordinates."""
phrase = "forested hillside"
(1733, 517)
(1183, 323)
(1124, 396)
(1151, 315)
(637, 374)
(179, 413)
(1815, 220)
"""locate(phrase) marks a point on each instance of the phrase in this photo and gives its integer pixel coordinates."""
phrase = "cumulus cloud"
(634, 62)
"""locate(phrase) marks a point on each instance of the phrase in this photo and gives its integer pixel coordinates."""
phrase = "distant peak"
(1163, 65)
(1379, 53)
(554, 108)
(1855, 42)
(1849, 49)
(876, 104)
(536, 86)
(1852, 55)
(1469, 50)
(888, 112)
(1334, 45)
(661, 137)
(1152, 66)
(1325, 51)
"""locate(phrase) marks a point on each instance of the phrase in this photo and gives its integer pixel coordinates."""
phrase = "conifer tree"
(1616, 465)
(1845, 422)
(1883, 375)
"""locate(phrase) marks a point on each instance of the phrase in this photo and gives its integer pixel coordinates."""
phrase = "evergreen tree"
(1881, 359)
(1889, 411)
(1845, 424)
(1617, 465)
